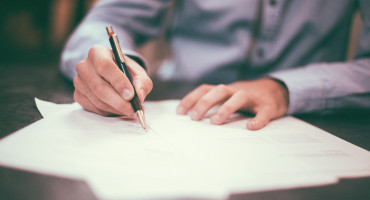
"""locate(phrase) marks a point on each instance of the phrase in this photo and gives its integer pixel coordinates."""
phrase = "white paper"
(177, 157)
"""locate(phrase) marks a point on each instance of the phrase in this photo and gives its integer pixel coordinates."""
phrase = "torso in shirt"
(212, 41)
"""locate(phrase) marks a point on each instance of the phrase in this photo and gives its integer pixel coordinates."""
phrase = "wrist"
(282, 88)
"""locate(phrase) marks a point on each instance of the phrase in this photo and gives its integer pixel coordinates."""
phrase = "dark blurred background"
(35, 31)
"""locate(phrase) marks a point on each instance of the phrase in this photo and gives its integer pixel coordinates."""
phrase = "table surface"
(20, 83)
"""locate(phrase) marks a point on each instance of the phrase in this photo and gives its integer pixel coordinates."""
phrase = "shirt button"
(260, 52)
(273, 2)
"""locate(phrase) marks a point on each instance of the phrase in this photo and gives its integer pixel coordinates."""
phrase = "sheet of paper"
(116, 157)
(178, 157)
(286, 147)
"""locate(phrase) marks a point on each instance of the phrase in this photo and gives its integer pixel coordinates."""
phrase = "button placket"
(260, 52)
(271, 18)
(273, 2)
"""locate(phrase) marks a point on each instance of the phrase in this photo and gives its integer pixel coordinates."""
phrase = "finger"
(190, 99)
(262, 118)
(236, 102)
(102, 90)
(82, 88)
(86, 104)
(214, 96)
(106, 67)
(140, 79)
(105, 93)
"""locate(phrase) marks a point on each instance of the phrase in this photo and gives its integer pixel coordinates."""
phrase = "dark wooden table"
(20, 83)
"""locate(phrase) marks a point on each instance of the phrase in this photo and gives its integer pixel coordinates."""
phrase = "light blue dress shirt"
(303, 43)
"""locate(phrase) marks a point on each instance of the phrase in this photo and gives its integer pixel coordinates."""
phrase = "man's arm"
(320, 87)
(134, 21)
(100, 86)
(328, 87)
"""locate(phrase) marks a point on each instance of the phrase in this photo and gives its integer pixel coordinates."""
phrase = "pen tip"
(141, 117)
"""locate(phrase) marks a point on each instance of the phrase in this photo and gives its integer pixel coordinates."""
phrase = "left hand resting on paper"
(266, 98)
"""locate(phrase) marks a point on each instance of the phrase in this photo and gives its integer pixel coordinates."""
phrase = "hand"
(266, 98)
(101, 87)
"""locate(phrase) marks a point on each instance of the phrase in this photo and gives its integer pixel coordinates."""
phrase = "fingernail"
(215, 119)
(193, 114)
(252, 124)
(126, 94)
(180, 110)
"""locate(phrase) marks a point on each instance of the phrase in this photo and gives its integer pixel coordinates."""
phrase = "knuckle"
(241, 93)
(100, 105)
(117, 82)
(80, 66)
(190, 98)
(184, 103)
(204, 102)
(97, 58)
(204, 87)
(226, 108)
(92, 51)
(75, 81)
(242, 96)
(76, 96)
(100, 64)
(98, 89)
(221, 87)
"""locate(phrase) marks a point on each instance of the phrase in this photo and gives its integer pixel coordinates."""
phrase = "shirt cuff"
(137, 58)
(305, 88)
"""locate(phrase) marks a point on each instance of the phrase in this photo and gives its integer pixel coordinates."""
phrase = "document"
(177, 157)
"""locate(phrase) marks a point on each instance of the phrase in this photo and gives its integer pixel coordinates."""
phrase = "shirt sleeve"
(134, 22)
(332, 87)
(327, 87)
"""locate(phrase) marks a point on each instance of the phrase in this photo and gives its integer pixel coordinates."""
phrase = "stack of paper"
(177, 157)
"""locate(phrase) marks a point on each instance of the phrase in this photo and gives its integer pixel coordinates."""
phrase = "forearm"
(134, 22)
(88, 34)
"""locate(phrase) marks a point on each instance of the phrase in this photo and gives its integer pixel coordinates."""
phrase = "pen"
(121, 63)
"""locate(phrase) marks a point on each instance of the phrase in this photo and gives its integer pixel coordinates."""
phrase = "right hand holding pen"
(101, 87)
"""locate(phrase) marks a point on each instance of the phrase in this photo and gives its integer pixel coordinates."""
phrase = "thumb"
(143, 86)
(142, 83)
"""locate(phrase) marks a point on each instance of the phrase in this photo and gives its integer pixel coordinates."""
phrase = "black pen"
(121, 63)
